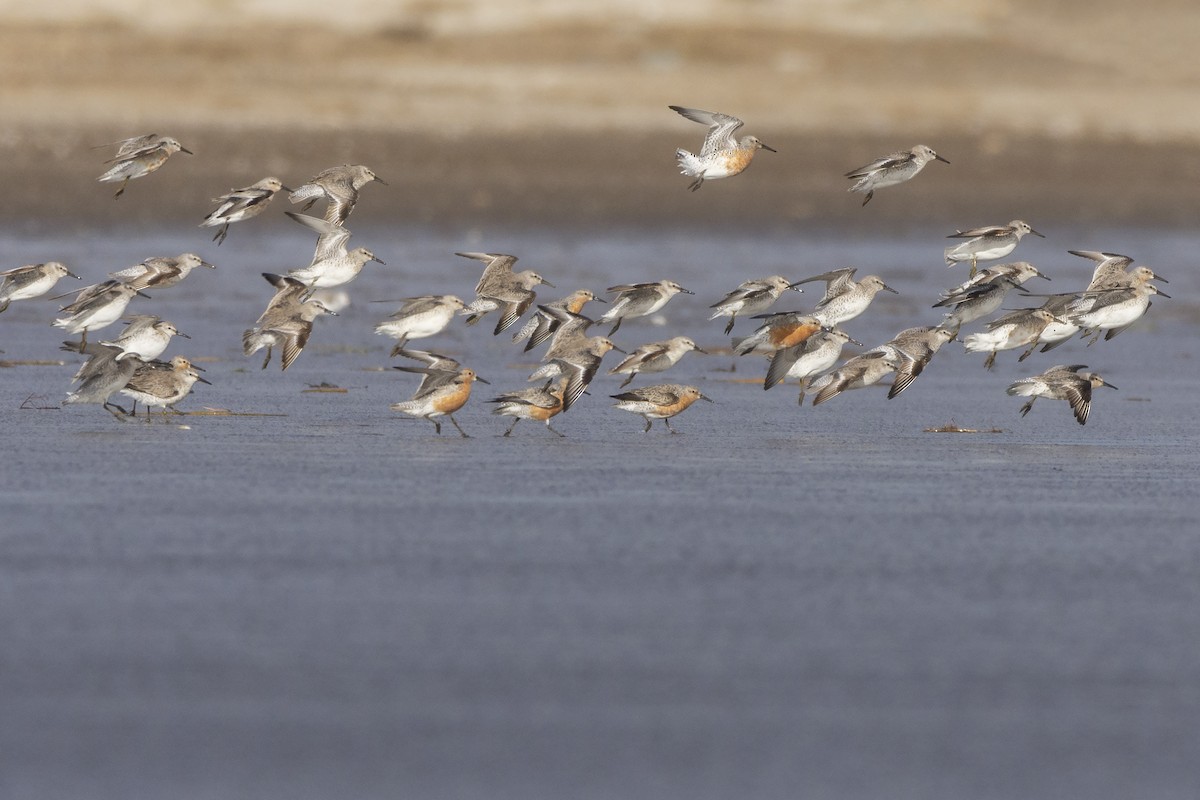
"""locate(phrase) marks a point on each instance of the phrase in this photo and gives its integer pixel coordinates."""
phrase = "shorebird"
(339, 185)
(751, 297)
(501, 288)
(654, 357)
(987, 243)
(443, 390)
(778, 331)
(912, 349)
(539, 404)
(661, 401)
(1019, 328)
(721, 155)
(891, 169)
(162, 384)
(241, 204)
(332, 264)
(138, 156)
(1113, 310)
(1061, 329)
(544, 323)
(860, 371)
(1115, 299)
(577, 357)
(844, 297)
(570, 335)
(287, 321)
(1111, 269)
(639, 300)
(95, 307)
(419, 317)
(146, 336)
(985, 292)
(814, 355)
(160, 272)
(30, 281)
(104, 374)
(1062, 382)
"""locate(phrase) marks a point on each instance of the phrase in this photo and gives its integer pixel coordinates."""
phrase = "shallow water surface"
(317, 597)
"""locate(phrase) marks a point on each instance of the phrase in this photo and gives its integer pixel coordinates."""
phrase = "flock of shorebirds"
(802, 346)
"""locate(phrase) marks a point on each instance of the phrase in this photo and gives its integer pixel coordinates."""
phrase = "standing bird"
(654, 357)
(338, 185)
(751, 297)
(987, 243)
(162, 384)
(540, 404)
(138, 156)
(639, 300)
(287, 321)
(844, 297)
(501, 288)
(445, 389)
(32, 280)
(891, 169)
(1063, 382)
(104, 374)
(419, 317)
(241, 204)
(661, 401)
(721, 155)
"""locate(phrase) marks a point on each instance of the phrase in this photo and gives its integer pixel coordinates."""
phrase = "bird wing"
(987, 230)
(887, 162)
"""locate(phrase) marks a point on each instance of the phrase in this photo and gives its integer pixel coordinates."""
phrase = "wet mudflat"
(777, 602)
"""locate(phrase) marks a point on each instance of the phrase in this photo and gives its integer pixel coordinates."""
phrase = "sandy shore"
(578, 179)
(564, 120)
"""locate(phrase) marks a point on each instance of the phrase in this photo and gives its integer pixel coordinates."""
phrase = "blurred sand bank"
(528, 108)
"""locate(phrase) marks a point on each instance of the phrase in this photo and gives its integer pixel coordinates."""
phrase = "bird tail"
(689, 163)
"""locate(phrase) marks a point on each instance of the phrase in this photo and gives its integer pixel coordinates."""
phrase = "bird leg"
(558, 433)
(437, 426)
(1025, 408)
(667, 422)
(267, 360)
(460, 430)
(121, 191)
(729, 327)
(119, 413)
(628, 380)
(647, 428)
(990, 360)
(510, 427)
